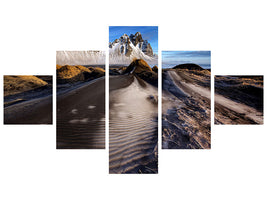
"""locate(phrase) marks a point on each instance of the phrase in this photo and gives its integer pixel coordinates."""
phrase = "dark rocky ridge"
(155, 69)
(141, 69)
(76, 73)
(138, 65)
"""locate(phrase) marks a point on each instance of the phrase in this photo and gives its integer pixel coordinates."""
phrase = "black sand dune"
(81, 117)
(37, 111)
(27, 99)
(186, 110)
(132, 126)
(238, 100)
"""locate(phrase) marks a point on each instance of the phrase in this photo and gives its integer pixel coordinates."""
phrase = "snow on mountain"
(80, 58)
(127, 48)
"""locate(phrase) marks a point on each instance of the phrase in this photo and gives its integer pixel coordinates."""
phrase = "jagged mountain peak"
(126, 48)
(136, 38)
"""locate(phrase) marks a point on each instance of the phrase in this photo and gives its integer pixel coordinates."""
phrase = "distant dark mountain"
(189, 66)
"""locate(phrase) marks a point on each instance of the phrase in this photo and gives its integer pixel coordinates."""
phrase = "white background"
(31, 33)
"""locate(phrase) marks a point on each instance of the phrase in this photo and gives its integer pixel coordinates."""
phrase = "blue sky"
(149, 33)
(173, 58)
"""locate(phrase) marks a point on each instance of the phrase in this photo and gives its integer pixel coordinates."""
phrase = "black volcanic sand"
(81, 117)
(132, 126)
(245, 90)
(185, 113)
(224, 115)
(149, 77)
(30, 107)
(117, 69)
(140, 69)
(117, 82)
(36, 111)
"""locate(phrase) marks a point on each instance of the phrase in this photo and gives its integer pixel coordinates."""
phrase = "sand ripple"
(81, 117)
(133, 130)
(81, 133)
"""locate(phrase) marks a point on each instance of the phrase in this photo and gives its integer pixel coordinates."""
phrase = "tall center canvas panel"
(133, 99)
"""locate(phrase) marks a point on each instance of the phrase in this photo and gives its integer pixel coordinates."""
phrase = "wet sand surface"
(36, 111)
(132, 126)
(81, 117)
